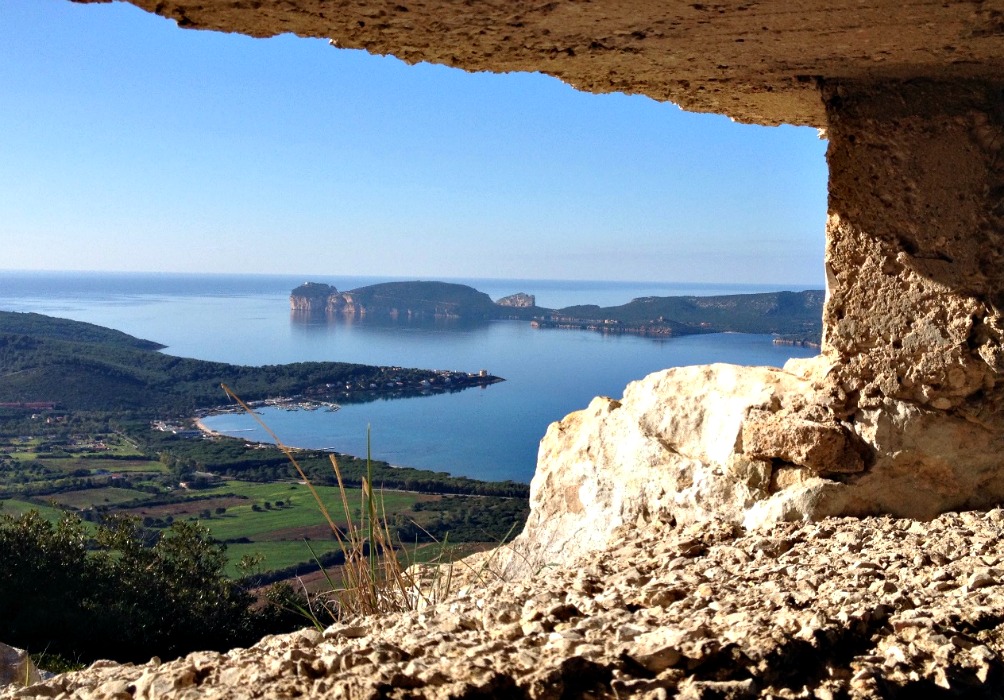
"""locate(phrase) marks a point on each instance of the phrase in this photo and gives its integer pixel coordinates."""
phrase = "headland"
(792, 317)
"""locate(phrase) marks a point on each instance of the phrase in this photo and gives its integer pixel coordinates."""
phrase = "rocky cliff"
(310, 297)
(396, 299)
(750, 446)
(519, 300)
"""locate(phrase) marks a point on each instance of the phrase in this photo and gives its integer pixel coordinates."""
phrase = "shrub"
(110, 595)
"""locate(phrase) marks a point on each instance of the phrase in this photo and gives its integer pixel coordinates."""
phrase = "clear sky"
(129, 144)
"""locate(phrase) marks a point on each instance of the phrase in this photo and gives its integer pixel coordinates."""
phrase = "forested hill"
(39, 326)
(433, 298)
(80, 366)
(406, 299)
(784, 313)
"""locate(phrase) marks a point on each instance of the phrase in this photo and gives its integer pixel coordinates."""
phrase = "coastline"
(208, 432)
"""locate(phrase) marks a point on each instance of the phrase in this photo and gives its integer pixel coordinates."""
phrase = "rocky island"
(794, 317)
(395, 299)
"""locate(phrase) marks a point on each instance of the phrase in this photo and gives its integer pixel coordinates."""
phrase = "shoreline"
(210, 433)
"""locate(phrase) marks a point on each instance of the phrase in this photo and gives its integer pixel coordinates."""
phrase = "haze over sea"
(490, 433)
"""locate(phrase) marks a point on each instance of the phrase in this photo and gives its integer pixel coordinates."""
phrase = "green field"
(115, 466)
(277, 555)
(278, 532)
(273, 519)
(16, 507)
(87, 498)
(252, 520)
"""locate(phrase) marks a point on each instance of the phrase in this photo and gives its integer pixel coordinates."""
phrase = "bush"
(110, 595)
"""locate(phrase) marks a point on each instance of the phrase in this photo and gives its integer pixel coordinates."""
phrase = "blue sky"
(129, 144)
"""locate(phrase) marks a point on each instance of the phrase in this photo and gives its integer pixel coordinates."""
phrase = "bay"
(489, 433)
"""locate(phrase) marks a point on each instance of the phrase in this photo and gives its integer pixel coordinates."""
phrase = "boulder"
(16, 668)
(748, 446)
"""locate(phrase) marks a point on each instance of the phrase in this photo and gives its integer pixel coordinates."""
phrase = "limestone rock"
(750, 446)
(310, 297)
(819, 447)
(16, 667)
(671, 450)
(519, 300)
(395, 300)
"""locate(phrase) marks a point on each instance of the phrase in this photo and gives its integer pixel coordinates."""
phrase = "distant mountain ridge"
(781, 313)
(792, 316)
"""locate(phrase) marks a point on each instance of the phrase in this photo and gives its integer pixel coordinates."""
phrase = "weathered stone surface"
(846, 608)
(914, 243)
(670, 450)
(749, 446)
(818, 447)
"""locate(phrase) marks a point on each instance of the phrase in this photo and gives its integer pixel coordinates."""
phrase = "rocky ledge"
(849, 608)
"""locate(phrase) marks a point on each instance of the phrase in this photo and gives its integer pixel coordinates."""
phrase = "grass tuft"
(379, 575)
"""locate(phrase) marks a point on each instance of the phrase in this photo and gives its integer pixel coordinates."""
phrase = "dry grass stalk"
(378, 576)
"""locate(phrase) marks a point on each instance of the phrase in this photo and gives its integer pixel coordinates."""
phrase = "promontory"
(792, 316)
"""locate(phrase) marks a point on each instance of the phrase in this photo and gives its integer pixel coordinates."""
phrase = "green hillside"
(40, 326)
(783, 313)
(85, 367)
(426, 298)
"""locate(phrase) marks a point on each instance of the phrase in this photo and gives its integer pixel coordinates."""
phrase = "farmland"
(272, 520)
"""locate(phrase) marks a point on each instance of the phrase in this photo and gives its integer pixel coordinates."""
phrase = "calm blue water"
(489, 433)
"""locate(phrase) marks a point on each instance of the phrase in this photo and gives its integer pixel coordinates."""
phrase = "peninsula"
(81, 366)
(792, 317)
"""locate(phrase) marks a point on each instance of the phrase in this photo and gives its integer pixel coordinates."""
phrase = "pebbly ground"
(842, 608)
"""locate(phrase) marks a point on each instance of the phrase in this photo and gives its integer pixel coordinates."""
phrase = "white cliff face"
(670, 450)
(750, 446)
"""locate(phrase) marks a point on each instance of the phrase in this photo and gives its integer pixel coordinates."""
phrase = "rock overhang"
(756, 62)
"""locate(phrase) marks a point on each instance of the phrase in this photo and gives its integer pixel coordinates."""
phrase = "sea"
(489, 433)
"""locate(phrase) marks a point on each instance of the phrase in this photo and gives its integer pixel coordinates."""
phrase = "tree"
(116, 596)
